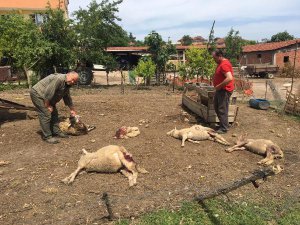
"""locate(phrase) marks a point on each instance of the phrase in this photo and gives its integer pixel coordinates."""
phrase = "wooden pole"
(294, 66)
(174, 80)
(259, 174)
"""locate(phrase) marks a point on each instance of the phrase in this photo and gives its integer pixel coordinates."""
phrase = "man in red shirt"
(223, 83)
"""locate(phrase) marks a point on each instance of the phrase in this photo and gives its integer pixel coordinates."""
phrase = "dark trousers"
(221, 105)
(48, 121)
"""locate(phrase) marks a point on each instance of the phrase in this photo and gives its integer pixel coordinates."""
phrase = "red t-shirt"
(224, 67)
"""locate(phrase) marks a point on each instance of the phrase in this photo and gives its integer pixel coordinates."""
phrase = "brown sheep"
(197, 133)
(109, 159)
(263, 147)
(74, 126)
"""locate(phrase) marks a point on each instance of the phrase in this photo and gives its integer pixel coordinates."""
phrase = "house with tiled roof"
(32, 8)
(132, 53)
(273, 53)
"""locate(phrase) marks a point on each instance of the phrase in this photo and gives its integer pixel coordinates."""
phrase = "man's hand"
(50, 108)
(218, 87)
(73, 113)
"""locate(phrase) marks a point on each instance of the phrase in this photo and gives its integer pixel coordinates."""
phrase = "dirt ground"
(30, 187)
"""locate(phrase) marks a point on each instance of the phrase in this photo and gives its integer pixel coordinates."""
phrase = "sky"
(254, 19)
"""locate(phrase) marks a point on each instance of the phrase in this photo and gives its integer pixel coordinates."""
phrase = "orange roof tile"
(131, 48)
(269, 46)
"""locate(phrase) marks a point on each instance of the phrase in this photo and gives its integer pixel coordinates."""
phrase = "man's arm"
(50, 92)
(68, 102)
(228, 78)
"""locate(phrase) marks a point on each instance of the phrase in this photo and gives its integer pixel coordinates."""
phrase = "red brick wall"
(252, 58)
(291, 55)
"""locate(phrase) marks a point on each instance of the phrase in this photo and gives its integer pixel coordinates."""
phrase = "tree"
(22, 42)
(183, 71)
(200, 62)
(110, 64)
(146, 69)
(282, 36)
(135, 42)
(160, 52)
(234, 44)
(58, 31)
(96, 29)
(186, 40)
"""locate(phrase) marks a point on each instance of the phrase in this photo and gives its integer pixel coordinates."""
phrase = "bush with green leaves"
(146, 69)
(200, 62)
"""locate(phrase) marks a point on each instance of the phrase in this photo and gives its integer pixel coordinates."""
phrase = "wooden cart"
(262, 70)
(198, 98)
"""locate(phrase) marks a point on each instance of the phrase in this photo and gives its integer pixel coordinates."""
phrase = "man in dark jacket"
(45, 94)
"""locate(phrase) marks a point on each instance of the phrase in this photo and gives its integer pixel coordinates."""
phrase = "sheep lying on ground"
(74, 126)
(259, 146)
(109, 159)
(127, 132)
(197, 133)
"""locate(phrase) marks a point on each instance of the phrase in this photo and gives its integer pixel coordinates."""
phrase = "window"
(259, 56)
(286, 59)
(38, 19)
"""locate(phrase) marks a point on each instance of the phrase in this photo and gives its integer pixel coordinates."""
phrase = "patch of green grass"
(220, 212)
(293, 117)
(12, 86)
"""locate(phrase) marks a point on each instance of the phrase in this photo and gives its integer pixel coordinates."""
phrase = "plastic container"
(258, 103)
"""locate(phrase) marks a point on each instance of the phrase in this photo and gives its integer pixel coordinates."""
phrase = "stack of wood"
(292, 104)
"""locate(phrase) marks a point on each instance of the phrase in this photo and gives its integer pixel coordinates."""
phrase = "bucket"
(257, 103)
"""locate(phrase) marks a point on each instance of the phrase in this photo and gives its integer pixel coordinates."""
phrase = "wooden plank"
(200, 110)
(5, 104)
(204, 113)
(231, 111)
(214, 119)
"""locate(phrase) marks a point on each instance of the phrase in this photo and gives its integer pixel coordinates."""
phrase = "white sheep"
(263, 147)
(109, 159)
(197, 133)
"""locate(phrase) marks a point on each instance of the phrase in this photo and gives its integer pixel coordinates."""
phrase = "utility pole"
(210, 34)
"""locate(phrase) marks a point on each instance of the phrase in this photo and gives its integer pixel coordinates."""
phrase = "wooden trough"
(198, 98)
(5, 104)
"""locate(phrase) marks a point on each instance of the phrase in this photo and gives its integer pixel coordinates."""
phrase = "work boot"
(62, 135)
(221, 131)
(52, 140)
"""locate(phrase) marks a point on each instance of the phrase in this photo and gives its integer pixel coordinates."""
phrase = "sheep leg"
(269, 157)
(218, 138)
(196, 142)
(89, 128)
(235, 149)
(130, 177)
(70, 179)
(184, 137)
(129, 164)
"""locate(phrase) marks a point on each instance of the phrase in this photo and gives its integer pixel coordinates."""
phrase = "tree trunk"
(28, 77)
(122, 82)
(107, 72)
